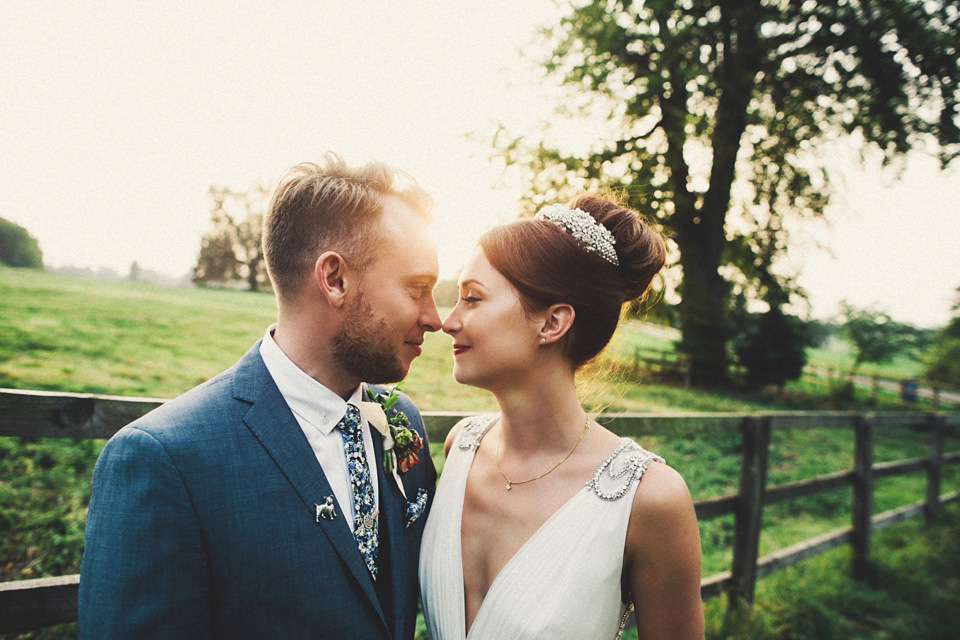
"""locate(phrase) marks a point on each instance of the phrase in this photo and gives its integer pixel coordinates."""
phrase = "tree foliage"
(231, 251)
(717, 111)
(876, 337)
(771, 346)
(943, 359)
(17, 247)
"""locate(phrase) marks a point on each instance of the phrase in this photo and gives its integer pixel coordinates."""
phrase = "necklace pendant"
(508, 486)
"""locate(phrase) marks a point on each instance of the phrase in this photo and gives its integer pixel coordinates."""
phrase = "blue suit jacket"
(202, 525)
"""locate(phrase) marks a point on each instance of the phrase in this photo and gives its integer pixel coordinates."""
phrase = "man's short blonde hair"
(330, 207)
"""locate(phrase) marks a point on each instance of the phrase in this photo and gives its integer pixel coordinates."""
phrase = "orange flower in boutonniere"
(400, 443)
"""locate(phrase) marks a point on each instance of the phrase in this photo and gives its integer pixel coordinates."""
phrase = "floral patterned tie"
(364, 506)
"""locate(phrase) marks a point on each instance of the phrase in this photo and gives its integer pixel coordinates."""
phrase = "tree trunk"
(701, 233)
(703, 309)
(253, 275)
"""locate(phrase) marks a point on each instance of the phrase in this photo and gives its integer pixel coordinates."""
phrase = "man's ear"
(557, 320)
(330, 274)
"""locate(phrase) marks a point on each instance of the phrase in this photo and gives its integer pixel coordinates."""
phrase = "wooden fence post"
(934, 467)
(749, 513)
(862, 495)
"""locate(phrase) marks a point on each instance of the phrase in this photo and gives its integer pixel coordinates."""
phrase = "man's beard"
(362, 346)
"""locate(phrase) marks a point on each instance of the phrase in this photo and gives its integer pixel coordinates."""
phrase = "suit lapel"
(392, 510)
(274, 426)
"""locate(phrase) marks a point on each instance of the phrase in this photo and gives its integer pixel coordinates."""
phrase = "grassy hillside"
(61, 333)
(136, 339)
(69, 334)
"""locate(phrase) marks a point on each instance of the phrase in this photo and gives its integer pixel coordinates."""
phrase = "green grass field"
(65, 334)
(135, 339)
(839, 354)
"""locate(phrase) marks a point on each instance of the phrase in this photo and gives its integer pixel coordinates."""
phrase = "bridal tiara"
(584, 227)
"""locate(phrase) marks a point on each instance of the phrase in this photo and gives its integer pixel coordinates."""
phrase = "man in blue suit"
(263, 504)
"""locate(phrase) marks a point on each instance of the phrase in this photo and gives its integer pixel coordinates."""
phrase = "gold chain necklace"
(510, 483)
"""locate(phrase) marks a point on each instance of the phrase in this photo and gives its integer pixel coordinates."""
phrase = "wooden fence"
(33, 604)
(912, 392)
(668, 365)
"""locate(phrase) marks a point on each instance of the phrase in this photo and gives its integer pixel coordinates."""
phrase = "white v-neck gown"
(563, 583)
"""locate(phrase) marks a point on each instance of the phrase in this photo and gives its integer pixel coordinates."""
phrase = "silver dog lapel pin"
(326, 510)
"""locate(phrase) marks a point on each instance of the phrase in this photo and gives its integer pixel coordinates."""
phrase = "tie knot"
(350, 423)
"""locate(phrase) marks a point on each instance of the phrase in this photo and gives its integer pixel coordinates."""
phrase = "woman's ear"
(557, 320)
(330, 277)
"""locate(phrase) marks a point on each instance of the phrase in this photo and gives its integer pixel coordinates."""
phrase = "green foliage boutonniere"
(400, 442)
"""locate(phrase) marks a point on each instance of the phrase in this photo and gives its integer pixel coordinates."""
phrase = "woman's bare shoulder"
(661, 488)
(663, 558)
(662, 512)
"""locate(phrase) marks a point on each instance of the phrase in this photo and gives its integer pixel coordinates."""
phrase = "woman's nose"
(451, 323)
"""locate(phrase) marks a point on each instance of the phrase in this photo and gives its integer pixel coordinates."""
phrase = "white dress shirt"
(318, 410)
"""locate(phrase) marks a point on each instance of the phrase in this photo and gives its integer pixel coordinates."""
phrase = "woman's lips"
(459, 349)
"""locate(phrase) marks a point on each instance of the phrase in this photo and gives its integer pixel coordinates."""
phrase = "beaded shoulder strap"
(473, 430)
(620, 470)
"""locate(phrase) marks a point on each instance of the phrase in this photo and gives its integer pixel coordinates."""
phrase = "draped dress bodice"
(563, 583)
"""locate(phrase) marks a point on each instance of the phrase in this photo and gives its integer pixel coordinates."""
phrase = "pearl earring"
(543, 341)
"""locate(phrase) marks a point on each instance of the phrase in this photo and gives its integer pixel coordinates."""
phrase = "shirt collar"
(311, 401)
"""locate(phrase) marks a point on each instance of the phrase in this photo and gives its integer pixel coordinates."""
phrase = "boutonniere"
(400, 443)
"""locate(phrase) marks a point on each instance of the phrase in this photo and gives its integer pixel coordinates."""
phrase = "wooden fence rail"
(913, 392)
(665, 364)
(33, 604)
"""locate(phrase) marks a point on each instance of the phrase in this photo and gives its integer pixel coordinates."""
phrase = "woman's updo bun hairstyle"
(547, 265)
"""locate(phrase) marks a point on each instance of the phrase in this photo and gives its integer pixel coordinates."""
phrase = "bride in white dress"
(546, 524)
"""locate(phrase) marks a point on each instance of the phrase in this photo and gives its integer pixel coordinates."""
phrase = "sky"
(117, 117)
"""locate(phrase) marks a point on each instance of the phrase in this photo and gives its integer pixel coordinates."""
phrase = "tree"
(17, 247)
(874, 335)
(231, 251)
(771, 346)
(943, 359)
(721, 108)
